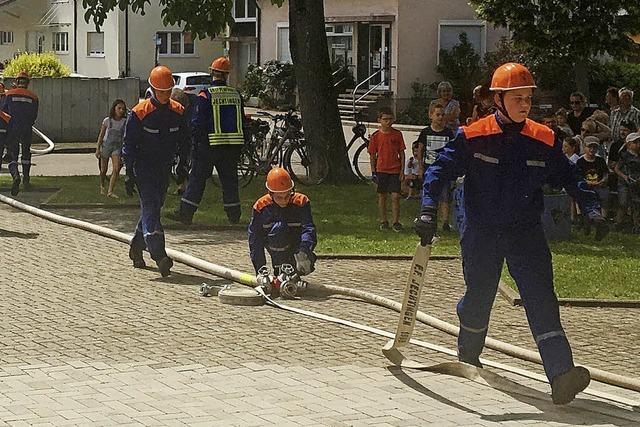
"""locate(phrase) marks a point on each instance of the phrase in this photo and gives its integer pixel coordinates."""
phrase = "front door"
(35, 42)
(379, 54)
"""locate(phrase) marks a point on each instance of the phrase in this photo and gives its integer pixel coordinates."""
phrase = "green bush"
(416, 112)
(37, 65)
(460, 66)
(274, 83)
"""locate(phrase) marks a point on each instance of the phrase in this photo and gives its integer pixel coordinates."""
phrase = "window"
(6, 37)
(198, 80)
(60, 42)
(175, 43)
(283, 52)
(95, 44)
(450, 31)
(244, 10)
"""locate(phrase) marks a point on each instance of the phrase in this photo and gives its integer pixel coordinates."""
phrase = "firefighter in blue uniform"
(22, 105)
(156, 129)
(218, 138)
(506, 158)
(9, 142)
(281, 223)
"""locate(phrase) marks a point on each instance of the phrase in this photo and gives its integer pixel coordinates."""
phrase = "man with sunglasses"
(506, 158)
(580, 111)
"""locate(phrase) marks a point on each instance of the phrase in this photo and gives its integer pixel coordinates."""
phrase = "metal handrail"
(342, 69)
(353, 95)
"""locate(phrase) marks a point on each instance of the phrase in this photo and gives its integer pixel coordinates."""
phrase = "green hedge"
(614, 73)
(37, 65)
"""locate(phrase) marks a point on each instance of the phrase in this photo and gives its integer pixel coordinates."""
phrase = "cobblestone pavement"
(88, 340)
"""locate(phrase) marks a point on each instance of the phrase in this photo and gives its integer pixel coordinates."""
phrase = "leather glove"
(426, 224)
(596, 220)
(129, 183)
(305, 260)
(374, 177)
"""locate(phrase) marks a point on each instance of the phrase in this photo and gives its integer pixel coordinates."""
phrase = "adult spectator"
(611, 98)
(580, 111)
(451, 106)
(594, 127)
(624, 112)
(614, 155)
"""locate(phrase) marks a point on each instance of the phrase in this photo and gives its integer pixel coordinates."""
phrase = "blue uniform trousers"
(204, 158)
(152, 186)
(529, 262)
(22, 136)
(13, 149)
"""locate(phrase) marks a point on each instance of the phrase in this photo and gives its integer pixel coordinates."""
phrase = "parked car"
(192, 82)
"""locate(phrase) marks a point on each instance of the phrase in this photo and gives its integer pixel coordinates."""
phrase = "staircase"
(366, 106)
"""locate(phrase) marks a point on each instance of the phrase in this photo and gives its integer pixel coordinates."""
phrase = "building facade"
(396, 41)
(127, 44)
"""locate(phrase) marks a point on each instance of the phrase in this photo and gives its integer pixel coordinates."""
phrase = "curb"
(71, 150)
(32, 190)
(383, 257)
(513, 297)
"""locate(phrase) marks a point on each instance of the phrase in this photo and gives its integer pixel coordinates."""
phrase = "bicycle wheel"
(301, 167)
(361, 163)
(246, 170)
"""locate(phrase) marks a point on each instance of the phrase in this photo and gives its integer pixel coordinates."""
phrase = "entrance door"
(35, 42)
(380, 54)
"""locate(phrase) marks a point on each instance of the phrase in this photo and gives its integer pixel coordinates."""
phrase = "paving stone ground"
(88, 340)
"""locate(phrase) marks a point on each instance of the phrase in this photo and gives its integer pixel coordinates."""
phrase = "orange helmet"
(221, 64)
(511, 76)
(23, 75)
(279, 181)
(161, 78)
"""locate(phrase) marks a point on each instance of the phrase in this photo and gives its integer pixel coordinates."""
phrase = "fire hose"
(250, 280)
(45, 138)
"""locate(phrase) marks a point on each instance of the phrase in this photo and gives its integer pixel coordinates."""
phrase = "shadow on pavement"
(185, 279)
(9, 233)
(576, 413)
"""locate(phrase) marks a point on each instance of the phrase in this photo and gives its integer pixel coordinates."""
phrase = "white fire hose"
(250, 280)
(45, 138)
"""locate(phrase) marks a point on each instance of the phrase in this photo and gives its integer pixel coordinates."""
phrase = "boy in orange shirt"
(386, 150)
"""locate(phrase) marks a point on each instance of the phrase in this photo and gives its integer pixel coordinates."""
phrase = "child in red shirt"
(386, 150)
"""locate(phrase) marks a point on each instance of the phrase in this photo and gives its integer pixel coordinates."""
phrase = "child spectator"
(561, 120)
(432, 139)
(570, 148)
(110, 145)
(628, 170)
(482, 104)
(594, 170)
(626, 127)
(412, 183)
(386, 151)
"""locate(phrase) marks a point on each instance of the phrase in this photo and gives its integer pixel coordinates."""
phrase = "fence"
(72, 108)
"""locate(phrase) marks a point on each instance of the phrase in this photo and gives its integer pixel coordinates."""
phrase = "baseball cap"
(591, 140)
(632, 137)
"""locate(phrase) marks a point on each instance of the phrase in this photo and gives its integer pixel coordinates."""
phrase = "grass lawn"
(346, 218)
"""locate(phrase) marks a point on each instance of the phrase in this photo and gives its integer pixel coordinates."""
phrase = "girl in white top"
(110, 145)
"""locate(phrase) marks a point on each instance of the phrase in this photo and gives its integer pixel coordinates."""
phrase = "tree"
(309, 51)
(572, 30)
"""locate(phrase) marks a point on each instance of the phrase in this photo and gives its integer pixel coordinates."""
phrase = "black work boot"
(26, 183)
(15, 187)
(164, 265)
(565, 386)
(471, 361)
(136, 257)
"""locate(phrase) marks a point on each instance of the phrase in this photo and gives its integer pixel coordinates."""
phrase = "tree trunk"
(581, 74)
(318, 103)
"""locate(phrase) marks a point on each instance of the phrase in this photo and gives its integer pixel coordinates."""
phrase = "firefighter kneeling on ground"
(506, 158)
(156, 129)
(281, 223)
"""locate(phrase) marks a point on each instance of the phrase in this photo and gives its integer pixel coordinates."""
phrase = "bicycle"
(360, 159)
(286, 147)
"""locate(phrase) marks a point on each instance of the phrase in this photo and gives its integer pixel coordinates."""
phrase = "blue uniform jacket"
(505, 167)
(202, 120)
(294, 221)
(22, 105)
(153, 134)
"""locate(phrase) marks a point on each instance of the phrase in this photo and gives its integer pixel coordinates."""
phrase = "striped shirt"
(617, 117)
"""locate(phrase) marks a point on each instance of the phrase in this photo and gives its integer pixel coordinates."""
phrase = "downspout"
(75, 36)
(258, 17)
(127, 62)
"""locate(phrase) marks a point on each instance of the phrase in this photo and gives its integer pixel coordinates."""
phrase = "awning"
(50, 18)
